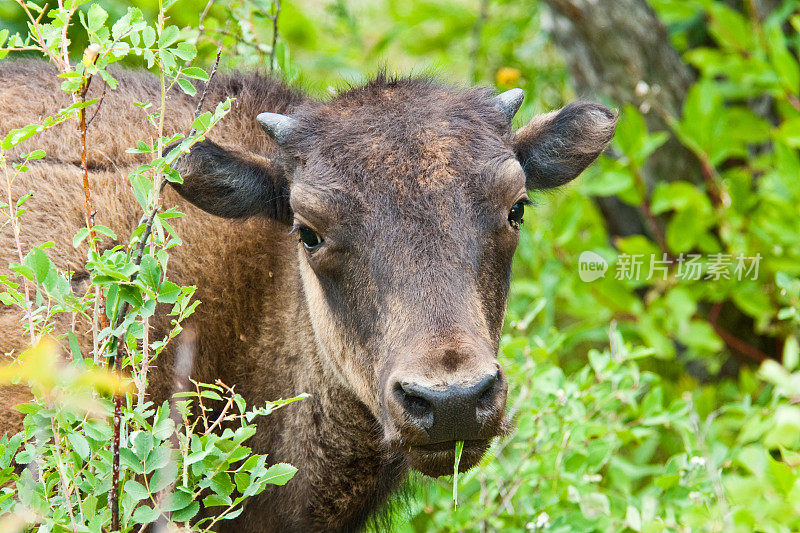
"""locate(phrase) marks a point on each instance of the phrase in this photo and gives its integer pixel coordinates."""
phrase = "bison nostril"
(413, 404)
(416, 406)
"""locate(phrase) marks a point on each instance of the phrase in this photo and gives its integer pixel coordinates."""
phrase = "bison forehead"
(422, 161)
(411, 135)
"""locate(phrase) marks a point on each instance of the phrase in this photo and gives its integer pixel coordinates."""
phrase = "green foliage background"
(631, 411)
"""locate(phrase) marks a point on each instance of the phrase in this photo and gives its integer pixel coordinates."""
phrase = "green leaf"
(215, 500)
(168, 292)
(17, 136)
(168, 36)
(79, 444)
(98, 430)
(168, 61)
(148, 36)
(222, 484)
(76, 350)
(38, 261)
(158, 459)
(677, 195)
(789, 132)
(202, 122)
(699, 334)
(780, 475)
(730, 28)
(187, 87)
(103, 230)
(144, 514)
(683, 231)
(79, 237)
(631, 129)
(210, 395)
(136, 490)
(130, 461)
(150, 271)
(243, 481)
(781, 58)
(187, 513)
(142, 444)
(194, 72)
(612, 178)
(96, 18)
(178, 499)
(279, 474)
(185, 51)
(163, 477)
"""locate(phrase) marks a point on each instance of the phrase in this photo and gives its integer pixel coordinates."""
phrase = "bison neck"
(345, 473)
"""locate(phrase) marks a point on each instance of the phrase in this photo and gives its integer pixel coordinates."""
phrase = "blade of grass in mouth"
(459, 449)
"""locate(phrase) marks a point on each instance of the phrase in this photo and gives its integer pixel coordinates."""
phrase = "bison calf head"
(406, 199)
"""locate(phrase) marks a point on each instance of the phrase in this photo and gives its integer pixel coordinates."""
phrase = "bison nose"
(454, 412)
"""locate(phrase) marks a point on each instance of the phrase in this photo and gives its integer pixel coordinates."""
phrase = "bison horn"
(509, 102)
(277, 126)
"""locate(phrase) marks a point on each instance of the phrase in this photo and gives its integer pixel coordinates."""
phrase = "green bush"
(642, 403)
(650, 434)
(96, 455)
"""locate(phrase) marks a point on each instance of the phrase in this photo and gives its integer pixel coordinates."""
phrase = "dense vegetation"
(658, 400)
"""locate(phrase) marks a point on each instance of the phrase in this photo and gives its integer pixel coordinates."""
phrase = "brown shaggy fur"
(410, 184)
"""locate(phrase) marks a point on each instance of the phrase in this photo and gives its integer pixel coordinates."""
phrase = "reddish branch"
(732, 341)
(90, 56)
(709, 177)
(650, 218)
(793, 100)
(654, 226)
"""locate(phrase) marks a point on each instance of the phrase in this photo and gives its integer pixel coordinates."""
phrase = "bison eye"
(308, 237)
(516, 213)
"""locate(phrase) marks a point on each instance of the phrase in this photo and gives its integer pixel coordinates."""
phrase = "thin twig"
(477, 29)
(645, 207)
(99, 104)
(224, 412)
(145, 360)
(90, 55)
(274, 19)
(115, 457)
(732, 341)
(12, 213)
(202, 100)
(793, 100)
(200, 23)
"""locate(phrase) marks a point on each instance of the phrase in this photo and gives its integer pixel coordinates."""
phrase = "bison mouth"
(437, 459)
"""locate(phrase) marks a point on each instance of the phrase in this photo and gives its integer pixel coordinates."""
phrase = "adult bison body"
(358, 250)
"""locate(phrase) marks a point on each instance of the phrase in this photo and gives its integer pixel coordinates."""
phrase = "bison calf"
(358, 249)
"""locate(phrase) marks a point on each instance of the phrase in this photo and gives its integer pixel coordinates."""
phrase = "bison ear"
(233, 185)
(556, 147)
